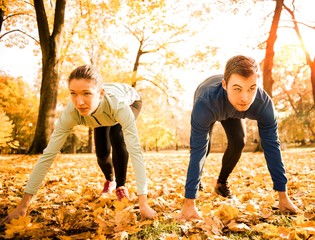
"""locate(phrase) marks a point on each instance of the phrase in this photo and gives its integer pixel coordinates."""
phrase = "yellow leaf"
(17, 226)
(310, 230)
(227, 212)
(238, 227)
(284, 232)
(120, 205)
(212, 225)
(297, 235)
(64, 238)
(206, 208)
(20, 226)
(21, 221)
(266, 212)
(250, 207)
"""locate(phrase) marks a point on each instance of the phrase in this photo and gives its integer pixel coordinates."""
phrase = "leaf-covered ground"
(69, 206)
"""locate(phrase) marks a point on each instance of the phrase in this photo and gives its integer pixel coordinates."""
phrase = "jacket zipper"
(96, 120)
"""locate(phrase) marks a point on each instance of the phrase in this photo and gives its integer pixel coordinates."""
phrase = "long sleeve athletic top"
(114, 108)
(210, 105)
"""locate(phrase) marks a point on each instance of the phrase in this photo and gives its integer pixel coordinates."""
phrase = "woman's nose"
(80, 100)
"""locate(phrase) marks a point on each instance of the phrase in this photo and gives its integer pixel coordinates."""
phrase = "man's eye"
(237, 89)
(87, 94)
(72, 93)
(252, 89)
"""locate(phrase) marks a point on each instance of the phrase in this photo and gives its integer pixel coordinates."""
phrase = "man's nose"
(245, 97)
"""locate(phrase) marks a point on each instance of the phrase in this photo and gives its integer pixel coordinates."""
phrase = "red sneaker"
(122, 192)
(109, 187)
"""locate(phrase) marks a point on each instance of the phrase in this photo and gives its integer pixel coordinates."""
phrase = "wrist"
(26, 200)
(189, 202)
(142, 200)
(282, 195)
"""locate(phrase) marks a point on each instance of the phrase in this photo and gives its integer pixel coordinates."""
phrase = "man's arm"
(199, 139)
(189, 211)
(285, 204)
(201, 121)
(268, 131)
(40, 169)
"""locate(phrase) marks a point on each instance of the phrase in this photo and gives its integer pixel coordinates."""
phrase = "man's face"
(241, 91)
(85, 96)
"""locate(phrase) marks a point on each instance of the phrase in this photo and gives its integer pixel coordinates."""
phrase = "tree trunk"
(90, 141)
(156, 145)
(312, 66)
(47, 106)
(136, 66)
(73, 147)
(268, 61)
(1, 18)
(50, 47)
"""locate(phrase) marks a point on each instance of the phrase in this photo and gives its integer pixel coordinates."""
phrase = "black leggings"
(105, 138)
(109, 137)
(235, 130)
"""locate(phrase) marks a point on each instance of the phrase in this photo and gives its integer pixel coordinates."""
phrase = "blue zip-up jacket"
(210, 105)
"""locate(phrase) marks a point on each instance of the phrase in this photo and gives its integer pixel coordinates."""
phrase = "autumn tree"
(50, 43)
(130, 41)
(269, 53)
(6, 131)
(293, 96)
(2, 8)
(20, 104)
(145, 56)
(16, 23)
(310, 62)
(19, 16)
(85, 42)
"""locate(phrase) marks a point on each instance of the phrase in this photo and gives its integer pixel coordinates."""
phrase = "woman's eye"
(87, 94)
(72, 93)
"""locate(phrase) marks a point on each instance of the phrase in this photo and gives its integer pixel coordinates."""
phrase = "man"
(230, 98)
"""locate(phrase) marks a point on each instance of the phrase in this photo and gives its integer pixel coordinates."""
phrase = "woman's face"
(85, 95)
(241, 91)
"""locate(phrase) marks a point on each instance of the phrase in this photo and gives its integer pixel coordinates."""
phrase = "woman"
(94, 106)
(111, 138)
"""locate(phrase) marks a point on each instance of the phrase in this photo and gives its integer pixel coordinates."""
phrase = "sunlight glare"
(309, 40)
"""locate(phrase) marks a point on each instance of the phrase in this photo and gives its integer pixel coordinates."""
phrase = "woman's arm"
(57, 140)
(20, 210)
(127, 120)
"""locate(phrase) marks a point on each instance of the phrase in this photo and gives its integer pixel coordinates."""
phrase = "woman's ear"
(224, 84)
(102, 93)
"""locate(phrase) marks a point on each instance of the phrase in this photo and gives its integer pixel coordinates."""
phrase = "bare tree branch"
(18, 30)
(298, 22)
(298, 33)
(17, 14)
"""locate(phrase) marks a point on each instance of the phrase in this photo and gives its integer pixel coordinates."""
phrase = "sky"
(19, 63)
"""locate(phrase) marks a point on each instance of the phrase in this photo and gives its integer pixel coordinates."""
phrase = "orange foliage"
(69, 206)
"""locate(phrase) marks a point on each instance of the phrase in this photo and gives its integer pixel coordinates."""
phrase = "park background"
(164, 49)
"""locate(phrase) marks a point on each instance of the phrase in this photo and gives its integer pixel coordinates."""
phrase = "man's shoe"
(223, 190)
(109, 186)
(121, 193)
